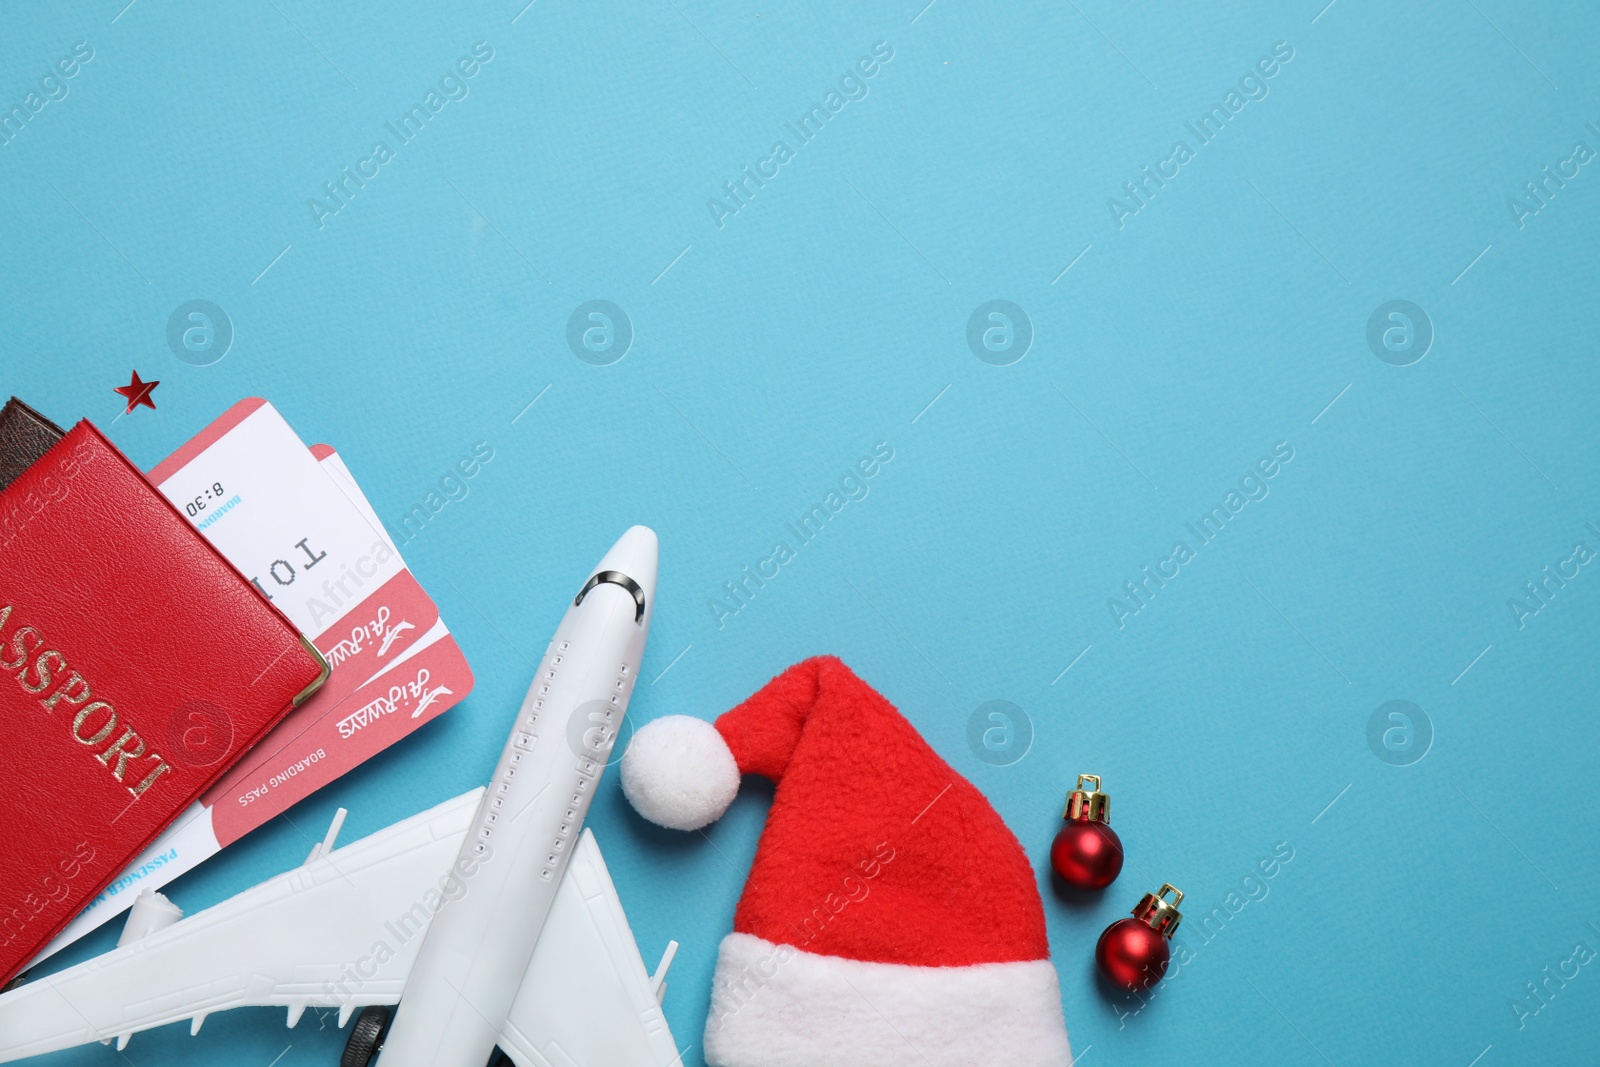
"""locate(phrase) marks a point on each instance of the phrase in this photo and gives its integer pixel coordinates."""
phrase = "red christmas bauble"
(1132, 954)
(1087, 855)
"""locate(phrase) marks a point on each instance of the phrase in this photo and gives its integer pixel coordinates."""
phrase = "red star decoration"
(138, 393)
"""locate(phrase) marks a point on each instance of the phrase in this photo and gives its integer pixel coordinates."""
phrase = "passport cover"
(136, 665)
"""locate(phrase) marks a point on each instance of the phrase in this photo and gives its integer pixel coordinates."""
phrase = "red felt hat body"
(875, 848)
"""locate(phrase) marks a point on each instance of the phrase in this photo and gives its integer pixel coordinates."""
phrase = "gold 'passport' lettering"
(40, 669)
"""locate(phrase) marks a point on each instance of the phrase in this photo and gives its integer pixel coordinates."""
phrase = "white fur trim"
(679, 773)
(779, 1006)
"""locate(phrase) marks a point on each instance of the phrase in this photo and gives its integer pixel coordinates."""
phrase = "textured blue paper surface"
(1178, 329)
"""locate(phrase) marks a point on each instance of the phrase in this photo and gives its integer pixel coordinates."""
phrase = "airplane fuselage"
(478, 945)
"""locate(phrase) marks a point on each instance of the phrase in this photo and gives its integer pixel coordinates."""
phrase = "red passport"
(136, 665)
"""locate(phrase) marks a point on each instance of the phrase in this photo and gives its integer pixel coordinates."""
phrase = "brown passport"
(25, 436)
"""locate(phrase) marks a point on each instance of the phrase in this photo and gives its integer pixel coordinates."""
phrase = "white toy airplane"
(490, 919)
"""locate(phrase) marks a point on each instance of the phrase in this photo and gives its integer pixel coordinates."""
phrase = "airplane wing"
(343, 930)
(586, 1000)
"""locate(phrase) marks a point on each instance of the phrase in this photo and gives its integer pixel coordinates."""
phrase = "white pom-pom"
(678, 772)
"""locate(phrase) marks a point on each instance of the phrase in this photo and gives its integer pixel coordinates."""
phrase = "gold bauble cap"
(1087, 803)
(1162, 914)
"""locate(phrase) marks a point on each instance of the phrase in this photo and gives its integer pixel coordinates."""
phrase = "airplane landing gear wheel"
(366, 1036)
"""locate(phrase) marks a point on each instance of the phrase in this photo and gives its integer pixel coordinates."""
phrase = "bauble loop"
(679, 773)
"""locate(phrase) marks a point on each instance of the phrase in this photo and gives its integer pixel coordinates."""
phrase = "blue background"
(1225, 316)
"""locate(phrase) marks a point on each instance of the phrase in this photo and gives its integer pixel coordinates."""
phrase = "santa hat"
(890, 917)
